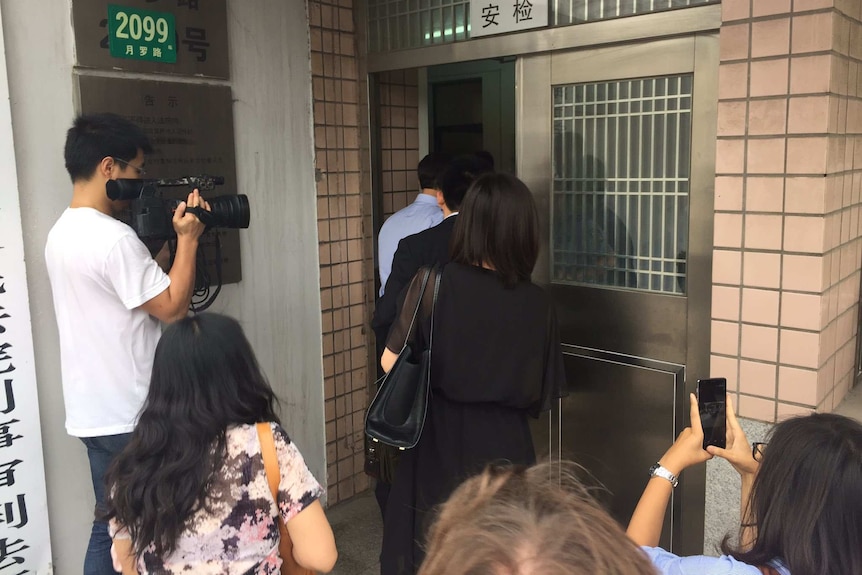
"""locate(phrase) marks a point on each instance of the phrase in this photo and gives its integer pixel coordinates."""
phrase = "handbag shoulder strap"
(438, 270)
(270, 458)
(425, 277)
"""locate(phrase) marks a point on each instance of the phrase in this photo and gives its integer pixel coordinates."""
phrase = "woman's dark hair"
(499, 226)
(205, 379)
(806, 501)
(96, 136)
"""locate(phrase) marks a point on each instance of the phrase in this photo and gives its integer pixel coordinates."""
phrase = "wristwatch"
(658, 471)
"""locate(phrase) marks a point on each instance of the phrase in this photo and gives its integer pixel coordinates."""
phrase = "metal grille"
(565, 12)
(399, 24)
(621, 163)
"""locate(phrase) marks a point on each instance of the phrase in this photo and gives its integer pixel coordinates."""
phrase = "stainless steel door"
(618, 145)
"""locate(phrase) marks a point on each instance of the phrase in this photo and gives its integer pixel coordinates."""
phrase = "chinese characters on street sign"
(141, 34)
(489, 17)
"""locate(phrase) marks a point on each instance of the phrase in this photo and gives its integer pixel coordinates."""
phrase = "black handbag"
(396, 415)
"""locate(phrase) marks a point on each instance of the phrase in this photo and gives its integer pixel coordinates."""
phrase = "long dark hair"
(498, 225)
(205, 379)
(806, 501)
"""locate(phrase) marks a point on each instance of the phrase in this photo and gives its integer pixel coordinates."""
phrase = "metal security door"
(618, 145)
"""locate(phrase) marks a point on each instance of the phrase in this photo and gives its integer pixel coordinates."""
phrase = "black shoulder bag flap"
(396, 415)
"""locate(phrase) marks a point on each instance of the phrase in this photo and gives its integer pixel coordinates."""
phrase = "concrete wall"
(279, 298)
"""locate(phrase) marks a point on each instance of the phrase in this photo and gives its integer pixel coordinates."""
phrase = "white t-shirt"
(100, 274)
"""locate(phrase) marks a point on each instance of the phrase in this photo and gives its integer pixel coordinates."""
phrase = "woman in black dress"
(496, 359)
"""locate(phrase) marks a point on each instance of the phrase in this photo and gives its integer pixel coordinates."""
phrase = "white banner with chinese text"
(489, 17)
(25, 545)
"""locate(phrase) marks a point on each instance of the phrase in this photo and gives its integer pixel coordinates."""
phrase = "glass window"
(621, 155)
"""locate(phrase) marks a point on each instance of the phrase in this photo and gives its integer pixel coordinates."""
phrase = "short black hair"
(94, 137)
(430, 167)
(487, 158)
(499, 226)
(458, 177)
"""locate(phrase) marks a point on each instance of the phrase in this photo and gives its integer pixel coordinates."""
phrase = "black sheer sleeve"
(554, 377)
(400, 328)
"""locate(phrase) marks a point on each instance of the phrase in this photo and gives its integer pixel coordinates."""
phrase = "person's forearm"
(747, 532)
(182, 275)
(123, 556)
(645, 525)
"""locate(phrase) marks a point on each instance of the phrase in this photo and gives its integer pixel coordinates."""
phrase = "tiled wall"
(399, 138)
(786, 268)
(343, 212)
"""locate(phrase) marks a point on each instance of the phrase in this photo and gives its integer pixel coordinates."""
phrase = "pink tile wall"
(788, 240)
(343, 219)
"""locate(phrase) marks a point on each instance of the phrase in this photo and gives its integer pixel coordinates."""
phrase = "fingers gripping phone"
(712, 405)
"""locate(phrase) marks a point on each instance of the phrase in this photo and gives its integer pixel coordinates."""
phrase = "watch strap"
(658, 471)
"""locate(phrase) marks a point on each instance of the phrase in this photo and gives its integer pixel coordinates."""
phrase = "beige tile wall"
(343, 212)
(399, 138)
(788, 238)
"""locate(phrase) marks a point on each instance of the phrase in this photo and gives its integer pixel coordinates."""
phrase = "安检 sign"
(141, 34)
(489, 17)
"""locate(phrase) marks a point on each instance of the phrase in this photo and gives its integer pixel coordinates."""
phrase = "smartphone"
(712, 404)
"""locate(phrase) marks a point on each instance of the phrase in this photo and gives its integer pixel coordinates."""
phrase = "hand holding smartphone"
(712, 405)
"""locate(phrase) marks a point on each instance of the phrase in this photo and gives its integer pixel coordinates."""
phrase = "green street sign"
(142, 34)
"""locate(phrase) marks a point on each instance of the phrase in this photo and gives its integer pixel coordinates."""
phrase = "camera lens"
(230, 211)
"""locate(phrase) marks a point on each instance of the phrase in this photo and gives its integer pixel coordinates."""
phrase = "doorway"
(471, 108)
(617, 143)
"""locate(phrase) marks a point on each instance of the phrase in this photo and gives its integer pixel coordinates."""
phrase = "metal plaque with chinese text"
(141, 34)
(198, 36)
(488, 17)
(191, 129)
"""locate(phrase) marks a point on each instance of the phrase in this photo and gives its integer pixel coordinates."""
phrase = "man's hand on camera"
(186, 224)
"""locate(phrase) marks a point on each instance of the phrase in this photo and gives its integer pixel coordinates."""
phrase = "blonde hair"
(529, 521)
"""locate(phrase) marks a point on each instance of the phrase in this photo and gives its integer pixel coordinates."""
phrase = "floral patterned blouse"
(239, 533)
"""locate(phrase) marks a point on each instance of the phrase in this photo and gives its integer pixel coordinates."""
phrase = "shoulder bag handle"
(439, 272)
(289, 566)
(418, 305)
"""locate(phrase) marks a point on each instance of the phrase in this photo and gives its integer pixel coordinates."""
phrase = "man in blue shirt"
(422, 214)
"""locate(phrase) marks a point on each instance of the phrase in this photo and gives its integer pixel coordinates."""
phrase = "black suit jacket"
(426, 248)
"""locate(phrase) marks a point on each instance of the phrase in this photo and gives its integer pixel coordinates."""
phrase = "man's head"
(430, 168)
(105, 147)
(456, 180)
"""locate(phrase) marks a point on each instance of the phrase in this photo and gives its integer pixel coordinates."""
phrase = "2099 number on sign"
(141, 34)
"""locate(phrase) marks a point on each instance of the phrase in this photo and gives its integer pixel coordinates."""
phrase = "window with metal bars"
(621, 158)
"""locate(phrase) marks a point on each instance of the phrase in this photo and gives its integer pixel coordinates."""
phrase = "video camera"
(151, 215)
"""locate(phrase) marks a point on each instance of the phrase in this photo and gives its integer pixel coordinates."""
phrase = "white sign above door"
(488, 17)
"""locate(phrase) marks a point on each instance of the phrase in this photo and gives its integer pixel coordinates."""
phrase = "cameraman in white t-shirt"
(109, 296)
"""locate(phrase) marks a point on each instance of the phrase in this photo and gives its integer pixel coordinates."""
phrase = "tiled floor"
(358, 535)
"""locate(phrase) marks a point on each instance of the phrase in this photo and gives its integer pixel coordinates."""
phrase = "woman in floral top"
(190, 494)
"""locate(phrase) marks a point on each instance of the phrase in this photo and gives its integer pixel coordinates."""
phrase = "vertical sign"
(25, 545)
(488, 17)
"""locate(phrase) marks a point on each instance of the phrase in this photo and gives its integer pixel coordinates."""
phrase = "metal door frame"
(697, 54)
